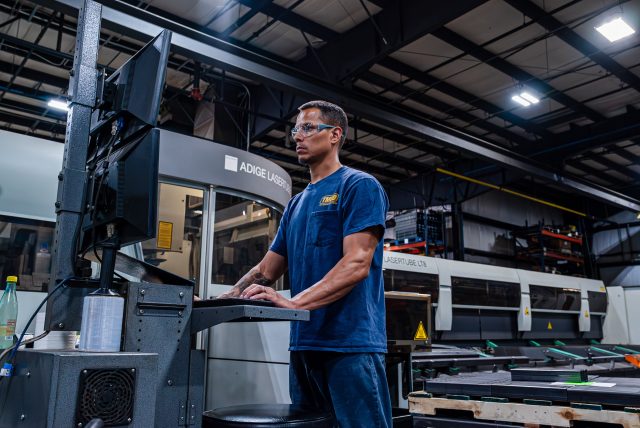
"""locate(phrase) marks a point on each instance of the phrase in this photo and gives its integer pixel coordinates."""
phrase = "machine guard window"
(482, 292)
(563, 299)
(413, 282)
(178, 241)
(242, 233)
(597, 301)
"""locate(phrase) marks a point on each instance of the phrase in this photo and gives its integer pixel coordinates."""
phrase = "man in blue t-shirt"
(330, 240)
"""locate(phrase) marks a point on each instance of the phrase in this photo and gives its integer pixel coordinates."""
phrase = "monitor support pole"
(64, 308)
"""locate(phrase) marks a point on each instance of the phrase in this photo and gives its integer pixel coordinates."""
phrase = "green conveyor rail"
(534, 343)
(491, 345)
(625, 350)
(606, 351)
(565, 353)
(559, 343)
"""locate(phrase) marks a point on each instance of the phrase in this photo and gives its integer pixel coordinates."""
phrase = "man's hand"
(261, 292)
(234, 292)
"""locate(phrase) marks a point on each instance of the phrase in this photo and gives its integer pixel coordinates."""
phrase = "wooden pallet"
(527, 414)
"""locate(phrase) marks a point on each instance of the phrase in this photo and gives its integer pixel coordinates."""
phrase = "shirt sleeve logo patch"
(329, 199)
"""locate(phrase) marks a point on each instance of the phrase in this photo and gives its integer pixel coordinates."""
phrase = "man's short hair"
(331, 114)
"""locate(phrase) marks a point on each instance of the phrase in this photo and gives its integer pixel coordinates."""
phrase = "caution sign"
(549, 326)
(421, 333)
(165, 235)
(586, 314)
(526, 310)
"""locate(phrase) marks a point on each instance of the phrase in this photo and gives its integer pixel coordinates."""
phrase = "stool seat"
(267, 416)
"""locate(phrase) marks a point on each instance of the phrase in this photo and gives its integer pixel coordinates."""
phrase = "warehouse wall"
(618, 246)
(504, 208)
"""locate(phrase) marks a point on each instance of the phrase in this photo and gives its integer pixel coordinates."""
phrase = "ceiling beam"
(474, 100)
(589, 137)
(255, 9)
(37, 76)
(29, 122)
(589, 170)
(292, 19)
(202, 47)
(504, 66)
(363, 166)
(576, 41)
(401, 23)
(441, 106)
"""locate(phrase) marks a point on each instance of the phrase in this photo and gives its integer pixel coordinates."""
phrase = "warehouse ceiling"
(456, 64)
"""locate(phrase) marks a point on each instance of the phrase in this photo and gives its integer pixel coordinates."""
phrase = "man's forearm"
(254, 276)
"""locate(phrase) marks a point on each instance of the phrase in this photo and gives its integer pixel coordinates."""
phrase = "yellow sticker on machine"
(526, 310)
(421, 333)
(549, 326)
(165, 235)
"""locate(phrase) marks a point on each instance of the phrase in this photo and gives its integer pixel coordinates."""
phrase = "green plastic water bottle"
(8, 313)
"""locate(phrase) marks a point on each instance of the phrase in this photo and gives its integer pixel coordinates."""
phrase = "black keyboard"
(232, 301)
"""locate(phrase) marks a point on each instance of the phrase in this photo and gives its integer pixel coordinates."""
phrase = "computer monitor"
(121, 194)
(135, 89)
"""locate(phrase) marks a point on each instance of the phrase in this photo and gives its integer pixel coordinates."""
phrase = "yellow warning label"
(603, 289)
(586, 314)
(549, 326)
(526, 310)
(421, 333)
(165, 232)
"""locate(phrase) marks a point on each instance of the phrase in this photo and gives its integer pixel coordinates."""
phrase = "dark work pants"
(352, 385)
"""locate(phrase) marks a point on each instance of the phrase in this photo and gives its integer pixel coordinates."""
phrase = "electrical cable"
(24, 331)
(26, 342)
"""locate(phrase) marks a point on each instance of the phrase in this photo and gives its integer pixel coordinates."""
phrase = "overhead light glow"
(527, 96)
(520, 100)
(58, 104)
(615, 30)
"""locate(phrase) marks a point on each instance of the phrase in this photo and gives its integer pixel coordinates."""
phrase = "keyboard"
(232, 301)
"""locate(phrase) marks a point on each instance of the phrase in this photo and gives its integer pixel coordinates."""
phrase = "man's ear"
(336, 135)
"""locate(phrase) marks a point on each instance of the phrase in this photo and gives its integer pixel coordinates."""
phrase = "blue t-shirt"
(310, 238)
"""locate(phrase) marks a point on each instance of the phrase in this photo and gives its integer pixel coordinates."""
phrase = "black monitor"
(122, 163)
(135, 89)
(123, 194)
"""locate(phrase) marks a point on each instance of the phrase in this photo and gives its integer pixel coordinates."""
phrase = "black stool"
(267, 416)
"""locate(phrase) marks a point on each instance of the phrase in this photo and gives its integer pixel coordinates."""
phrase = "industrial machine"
(107, 198)
(474, 303)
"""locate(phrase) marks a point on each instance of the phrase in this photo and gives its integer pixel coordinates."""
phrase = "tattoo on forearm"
(252, 277)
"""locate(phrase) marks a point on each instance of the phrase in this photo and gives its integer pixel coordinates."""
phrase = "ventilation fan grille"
(107, 394)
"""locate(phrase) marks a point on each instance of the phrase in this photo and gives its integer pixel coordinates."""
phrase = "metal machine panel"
(632, 300)
(478, 271)
(158, 320)
(616, 327)
(559, 281)
(242, 382)
(524, 313)
(201, 161)
(43, 392)
(255, 341)
(409, 262)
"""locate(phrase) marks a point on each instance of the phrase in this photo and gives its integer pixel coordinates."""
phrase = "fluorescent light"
(615, 30)
(520, 100)
(58, 104)
(527, 96)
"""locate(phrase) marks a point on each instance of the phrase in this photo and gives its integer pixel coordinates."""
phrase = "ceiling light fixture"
(521, 101)
(527, 96)
(615, 29)
(58, 104)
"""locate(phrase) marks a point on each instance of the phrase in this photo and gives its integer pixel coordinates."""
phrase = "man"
(330, 240)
